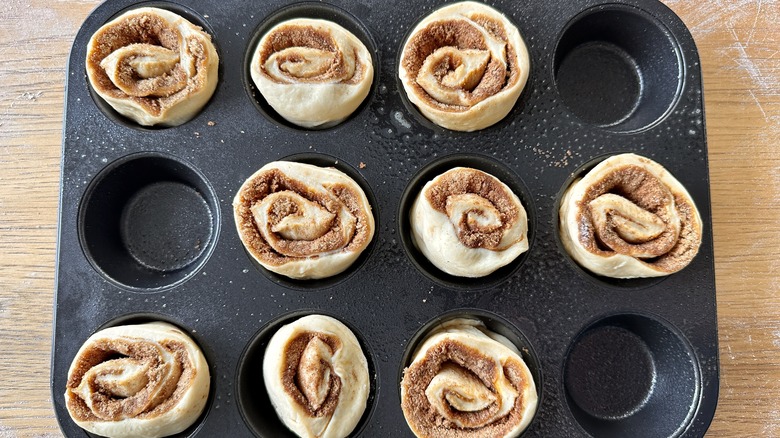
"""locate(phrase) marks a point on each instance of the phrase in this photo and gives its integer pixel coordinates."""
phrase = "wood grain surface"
(739, 45)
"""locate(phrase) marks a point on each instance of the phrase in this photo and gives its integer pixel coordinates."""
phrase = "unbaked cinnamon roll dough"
(629, 217)
(147, 380)
(464, 66)
(314, 73)
(316, 376)
(153, 66)
(303, 221)
(467, 381)
(468, 223)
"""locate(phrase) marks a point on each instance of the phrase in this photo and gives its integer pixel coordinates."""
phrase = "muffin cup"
(254, 403)
(320, 11)
(436, 168)
(631, 374)
(618, 67)
(190, 15)
(149, 221)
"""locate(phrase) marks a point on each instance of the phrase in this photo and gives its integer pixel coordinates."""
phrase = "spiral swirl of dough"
(303, 221)
(153, 66)
(629, 217)
(464, 66)
(148, 380)
(314, 73)
(466, 381)
(468, 223)
(317, 377)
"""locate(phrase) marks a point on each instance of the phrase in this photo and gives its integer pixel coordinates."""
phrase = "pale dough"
(446, 229)
(148, 380)
(323, 351)
(153, 66)
(311, 84)
(482, 81)
(480, 387)
(629, 217)
(324, 230)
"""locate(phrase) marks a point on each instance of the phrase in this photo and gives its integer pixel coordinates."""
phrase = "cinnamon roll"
(314, 73)
(466, 381)
(468, 223)
(464, 66)
(629, 217)
(316, 376)
(303, 221)
(153, 66)
(147, 380)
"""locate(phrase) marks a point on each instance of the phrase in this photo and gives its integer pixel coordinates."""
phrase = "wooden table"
(739, 44)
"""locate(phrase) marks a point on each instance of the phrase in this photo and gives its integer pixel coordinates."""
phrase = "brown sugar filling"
(273, 181)
(427, 421)
(147, 28)
(296, 35)
(671, 251)
(292, 382)
(162, 392)
(471, 181)
(491, 25)
(462, 35)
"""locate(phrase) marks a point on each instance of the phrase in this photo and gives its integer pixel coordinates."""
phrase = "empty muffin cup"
(631, 375)
(618, 67)
(148, 221)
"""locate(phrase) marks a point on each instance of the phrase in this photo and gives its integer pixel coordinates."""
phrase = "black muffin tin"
(146, 229)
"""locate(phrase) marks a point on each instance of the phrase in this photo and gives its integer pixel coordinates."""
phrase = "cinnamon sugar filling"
(670, 251)
(163, 383)
(299, 386)
(428, 421)
(147, 28)
(275, 181)
(301, 36)
(461, 34)
(470, 181)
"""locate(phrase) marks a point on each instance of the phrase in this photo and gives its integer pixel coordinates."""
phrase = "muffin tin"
(146, 229)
